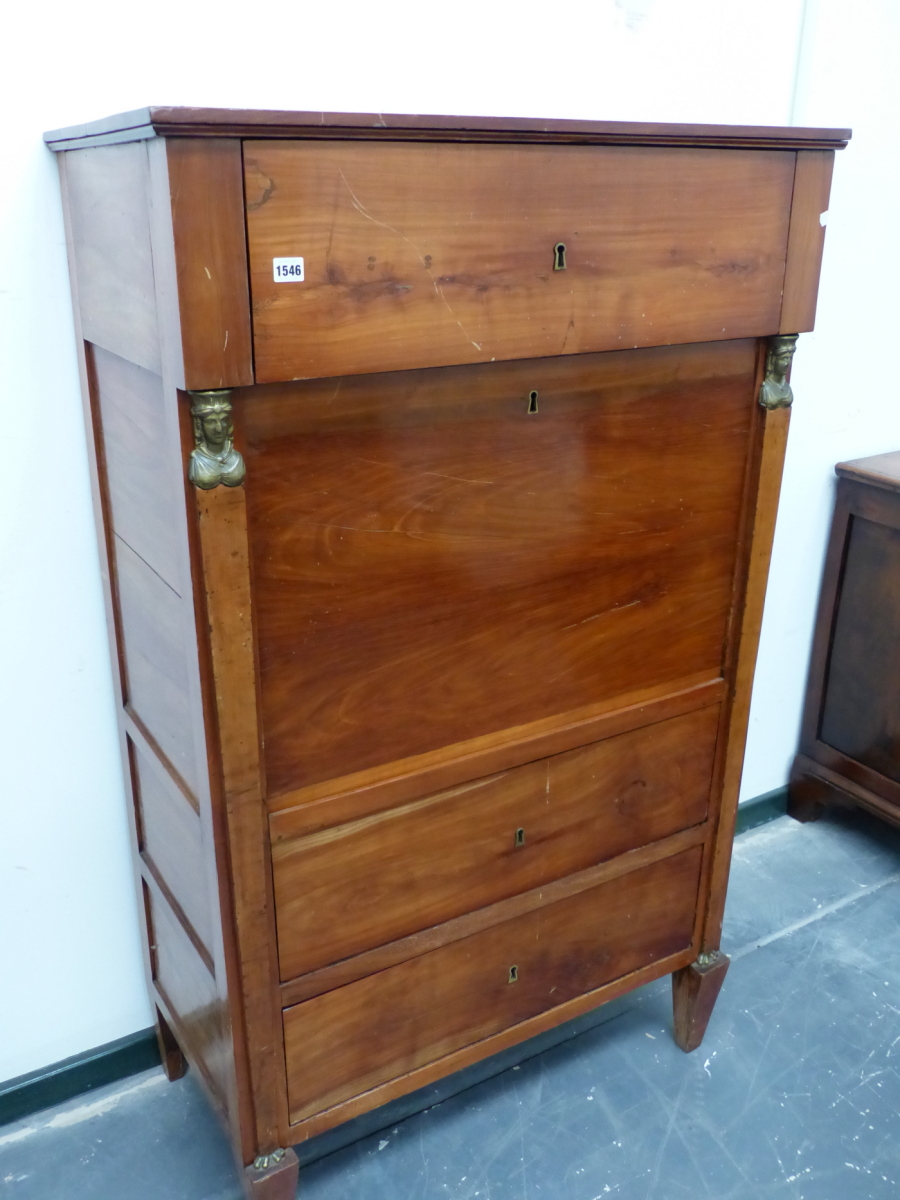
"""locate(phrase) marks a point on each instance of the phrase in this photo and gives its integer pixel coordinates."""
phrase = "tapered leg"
(173, 1061)
(694, 992)
(273, 1176)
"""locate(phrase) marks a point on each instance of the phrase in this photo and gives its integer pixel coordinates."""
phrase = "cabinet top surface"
(881, 470)
(234, 122)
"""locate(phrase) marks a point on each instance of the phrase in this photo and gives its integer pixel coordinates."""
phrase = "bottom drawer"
(348, 1041)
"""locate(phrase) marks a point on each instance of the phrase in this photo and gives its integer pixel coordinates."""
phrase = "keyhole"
(520, 837)
(559, 256)
(513, 974)
(532, 402)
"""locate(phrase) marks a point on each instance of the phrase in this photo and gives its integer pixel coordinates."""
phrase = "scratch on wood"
(364, 212)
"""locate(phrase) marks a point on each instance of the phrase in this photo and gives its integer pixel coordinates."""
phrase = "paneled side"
(154, 625)
(143, 469)
(171, 842)
(188, 992)
(108, 201)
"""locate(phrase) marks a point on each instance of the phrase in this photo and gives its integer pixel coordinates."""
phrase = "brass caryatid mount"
(776, 391)
(214, 459)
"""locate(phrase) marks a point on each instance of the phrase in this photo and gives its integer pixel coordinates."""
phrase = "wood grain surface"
(207, 197)
(348, 970)
(764, 487)
(223, 553)
(349, 797)
(371, 881)
(387, 1025)
(431, 563)
(694, 992)
(427, 255)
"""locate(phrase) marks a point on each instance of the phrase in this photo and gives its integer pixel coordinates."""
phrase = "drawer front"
(425, 255)
(432, 563)
(345, 1042)
(370, 881)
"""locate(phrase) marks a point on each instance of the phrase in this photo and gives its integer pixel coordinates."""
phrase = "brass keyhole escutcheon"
(532, 403)
(520, 837)
(559, 256)
(513, 974)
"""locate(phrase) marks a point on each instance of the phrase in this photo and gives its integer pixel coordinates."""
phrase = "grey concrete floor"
(794, 1094)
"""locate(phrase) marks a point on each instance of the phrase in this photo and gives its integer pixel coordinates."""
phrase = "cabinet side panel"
(153, 621)
(139, 491)
(143, 469)
(170, 838)
(188, 992)
(110, 230)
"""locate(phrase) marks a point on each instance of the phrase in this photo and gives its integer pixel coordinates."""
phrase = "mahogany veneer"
(433, 719)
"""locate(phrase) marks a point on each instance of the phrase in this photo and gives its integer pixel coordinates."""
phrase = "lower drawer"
(361, 884)
(377, 1029)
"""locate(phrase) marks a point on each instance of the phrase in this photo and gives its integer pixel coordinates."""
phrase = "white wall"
(69, 947)
(844, 379)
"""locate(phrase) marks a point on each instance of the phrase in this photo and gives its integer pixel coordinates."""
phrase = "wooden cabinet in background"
(437, 462)
(850, 739)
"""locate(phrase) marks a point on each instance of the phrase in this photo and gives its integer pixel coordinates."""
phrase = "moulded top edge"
(233, 122)
(881, 470)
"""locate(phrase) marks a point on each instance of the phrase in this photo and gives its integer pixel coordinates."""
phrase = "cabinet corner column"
(216, 473)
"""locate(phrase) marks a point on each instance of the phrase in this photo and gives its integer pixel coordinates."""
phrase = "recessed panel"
(171, 841)
(861, 704)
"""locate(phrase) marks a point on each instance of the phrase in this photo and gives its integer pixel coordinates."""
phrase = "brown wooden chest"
(850, 739)
(437, 463)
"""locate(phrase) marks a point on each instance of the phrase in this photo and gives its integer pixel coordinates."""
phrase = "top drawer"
(421, 255)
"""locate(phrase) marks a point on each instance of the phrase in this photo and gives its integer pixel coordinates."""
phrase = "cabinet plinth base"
(274, 1178)
(694, 993)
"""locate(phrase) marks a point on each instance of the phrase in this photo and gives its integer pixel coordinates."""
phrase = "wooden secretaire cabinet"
(437, 462)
